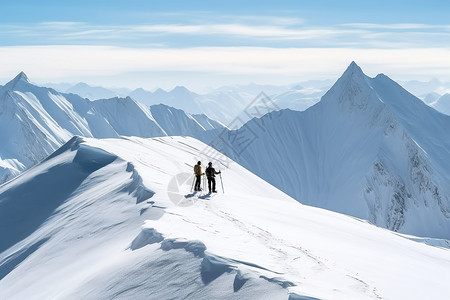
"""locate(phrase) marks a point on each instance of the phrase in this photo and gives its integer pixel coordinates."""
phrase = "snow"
(117, 231)
(128, 118)
(176, 121)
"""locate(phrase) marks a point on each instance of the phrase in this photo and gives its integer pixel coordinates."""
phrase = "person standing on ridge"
(198, 174)
(211, 175)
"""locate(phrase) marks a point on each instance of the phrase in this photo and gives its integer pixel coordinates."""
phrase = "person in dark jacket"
(198, 175)
(211, 174)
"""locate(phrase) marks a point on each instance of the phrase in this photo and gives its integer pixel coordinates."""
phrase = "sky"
(201, 44)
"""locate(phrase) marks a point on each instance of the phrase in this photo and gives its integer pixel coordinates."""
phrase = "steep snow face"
(128, 117)
(207, 123)
(177, 122)
(115, 218)
(34, 122)
(369, 149)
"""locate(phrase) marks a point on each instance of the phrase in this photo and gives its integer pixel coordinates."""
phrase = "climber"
(211, 174)
(198, 174)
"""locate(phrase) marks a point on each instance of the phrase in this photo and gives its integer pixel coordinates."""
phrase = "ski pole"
(204, 183)
(193, 181)
(221, 182)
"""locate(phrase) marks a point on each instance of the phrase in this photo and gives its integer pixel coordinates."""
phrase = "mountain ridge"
(362, 150)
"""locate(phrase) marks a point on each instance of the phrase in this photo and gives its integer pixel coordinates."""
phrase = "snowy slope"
(207, 123)
(368, 149)
(128, 117)
(110, 219)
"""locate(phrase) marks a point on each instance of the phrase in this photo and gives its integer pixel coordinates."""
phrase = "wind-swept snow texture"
(111, 219)
(35, 121)
(368, 149)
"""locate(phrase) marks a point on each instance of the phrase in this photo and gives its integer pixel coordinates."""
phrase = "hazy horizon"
(203, 44)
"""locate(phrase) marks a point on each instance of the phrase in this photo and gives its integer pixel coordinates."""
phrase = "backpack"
(197, 170)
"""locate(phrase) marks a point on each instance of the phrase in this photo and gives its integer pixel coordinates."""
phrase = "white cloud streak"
(399, 26)
(69, 29)
(284, 30)
(61, 62)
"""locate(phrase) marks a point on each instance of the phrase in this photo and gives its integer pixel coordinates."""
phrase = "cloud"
(399, 26)
(82, 30)
(61, 62)
(262, 31)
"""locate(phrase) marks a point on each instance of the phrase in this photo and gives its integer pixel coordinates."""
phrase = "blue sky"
(200, 43)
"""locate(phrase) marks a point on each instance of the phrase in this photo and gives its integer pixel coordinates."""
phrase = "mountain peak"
(354, 74)
(21, 77)
(81, 85)
(352, 69)
(352, 90)
(180, 89)
(159, 91)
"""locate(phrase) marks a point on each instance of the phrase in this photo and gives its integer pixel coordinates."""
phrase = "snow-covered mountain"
(180, 97)
(92, 92)
(128, 117)
(430, 98)
(442, 104)
(35, 121)
(223, 104)
(218, 105)
(177, 122)
(368, 149)
(115, 219)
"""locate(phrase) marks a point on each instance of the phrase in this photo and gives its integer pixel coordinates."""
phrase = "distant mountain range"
(223, 104)
(227, 102)
(35, 121)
